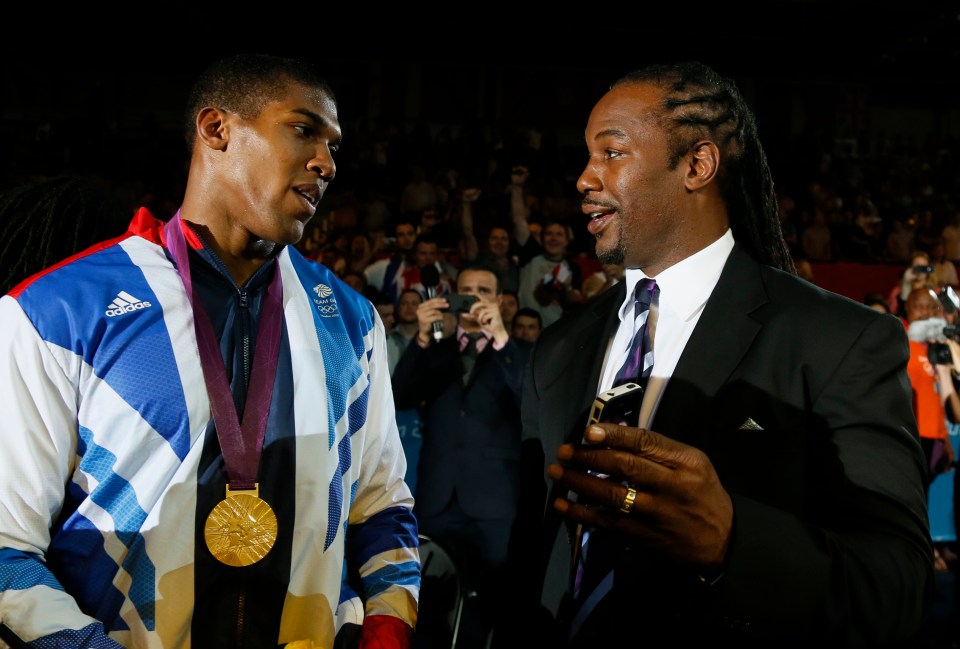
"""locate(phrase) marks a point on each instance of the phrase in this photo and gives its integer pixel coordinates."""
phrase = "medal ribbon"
(241, 444)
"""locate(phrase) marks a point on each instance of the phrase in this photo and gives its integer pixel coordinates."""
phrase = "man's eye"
(612, 154)
(303, 130)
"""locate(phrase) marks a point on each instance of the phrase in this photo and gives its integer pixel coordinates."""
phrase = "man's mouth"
(311, 193)
(598, 221)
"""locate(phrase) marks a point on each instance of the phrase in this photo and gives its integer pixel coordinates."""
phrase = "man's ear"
(212, 128)
(703, 163)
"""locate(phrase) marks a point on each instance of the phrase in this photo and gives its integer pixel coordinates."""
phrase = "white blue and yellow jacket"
(111, 462)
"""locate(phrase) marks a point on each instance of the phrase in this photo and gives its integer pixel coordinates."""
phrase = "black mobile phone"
(460, 303)
(620, 405)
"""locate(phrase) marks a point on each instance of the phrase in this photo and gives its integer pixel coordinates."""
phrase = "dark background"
(845, 78)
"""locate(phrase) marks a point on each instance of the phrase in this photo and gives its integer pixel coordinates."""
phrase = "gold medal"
(241, 529)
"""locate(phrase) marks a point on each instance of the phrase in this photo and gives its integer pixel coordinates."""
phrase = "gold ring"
(627, 503)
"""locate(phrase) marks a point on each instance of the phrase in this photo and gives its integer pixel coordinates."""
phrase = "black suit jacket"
(830, 544)
(471, 433)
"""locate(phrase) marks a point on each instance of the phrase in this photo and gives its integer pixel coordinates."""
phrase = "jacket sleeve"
(382, 537)
(38, 441)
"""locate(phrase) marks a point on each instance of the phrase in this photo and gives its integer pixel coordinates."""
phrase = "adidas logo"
(125, 303)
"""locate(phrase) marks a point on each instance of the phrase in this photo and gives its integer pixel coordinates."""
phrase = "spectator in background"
(45, 220)
(934, 396)
(927, 232)
(509, 303)
(404, 330)
(468, 387)
(418, 194)
(437, 225)
(816, 242)
(359, 253)
(386, 274)
(527, 325)
(427, 253)
(920, 274)
(356, 281)
(900, 241)
(551, 282)
(522, 205)
(404, 325)
(607, 276)
(943, 269)
(951, 237)
(386, 308)
(877, 302)
(497, 251)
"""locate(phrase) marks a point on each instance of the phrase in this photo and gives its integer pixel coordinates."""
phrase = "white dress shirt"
(684, 289)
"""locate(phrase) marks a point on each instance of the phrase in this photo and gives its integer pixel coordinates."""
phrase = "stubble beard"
(615, 255)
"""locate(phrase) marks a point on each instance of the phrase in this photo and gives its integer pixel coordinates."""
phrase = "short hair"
(412, 291)
(425, 237)
(245, 83)
(531, 313)
(871, 299)
(482, 265)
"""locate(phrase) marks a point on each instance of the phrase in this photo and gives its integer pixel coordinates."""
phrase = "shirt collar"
(685, 286)
(461, 332)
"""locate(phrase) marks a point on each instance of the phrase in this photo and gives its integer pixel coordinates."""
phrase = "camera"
(939, 354)
(460, 303)
(932, 331)
(922, 270)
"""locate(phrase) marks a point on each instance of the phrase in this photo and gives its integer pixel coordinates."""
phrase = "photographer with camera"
(465, 375)
(919, 275)
(929, 368)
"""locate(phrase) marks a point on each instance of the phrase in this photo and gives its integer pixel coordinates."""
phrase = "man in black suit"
(466, 497)
(770, 490)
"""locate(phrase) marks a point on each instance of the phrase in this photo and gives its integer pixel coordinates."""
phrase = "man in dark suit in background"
(468, 385)
(769, 492)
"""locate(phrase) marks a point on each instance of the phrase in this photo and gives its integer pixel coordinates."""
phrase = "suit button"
(463, 414)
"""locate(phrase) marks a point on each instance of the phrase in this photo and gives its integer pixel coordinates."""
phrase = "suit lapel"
(570, 370)
(722, 336)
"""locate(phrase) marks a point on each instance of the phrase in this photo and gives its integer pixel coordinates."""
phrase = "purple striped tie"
(639, 360)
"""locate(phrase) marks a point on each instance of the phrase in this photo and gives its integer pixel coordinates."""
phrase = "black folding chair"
(442, 594)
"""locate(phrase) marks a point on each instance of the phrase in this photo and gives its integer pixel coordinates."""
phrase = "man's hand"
(680, 511)
(488, 316)
(430, 311)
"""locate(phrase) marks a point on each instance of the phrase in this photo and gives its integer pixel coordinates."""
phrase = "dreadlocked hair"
(699, 104)
(45, 220)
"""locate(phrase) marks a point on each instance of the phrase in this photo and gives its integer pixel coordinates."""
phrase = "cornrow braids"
(700, 104)
(46, 220)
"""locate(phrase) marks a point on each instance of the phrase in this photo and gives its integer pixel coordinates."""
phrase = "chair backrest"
(441, 597)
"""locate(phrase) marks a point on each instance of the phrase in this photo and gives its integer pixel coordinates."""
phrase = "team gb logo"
(326, 304)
